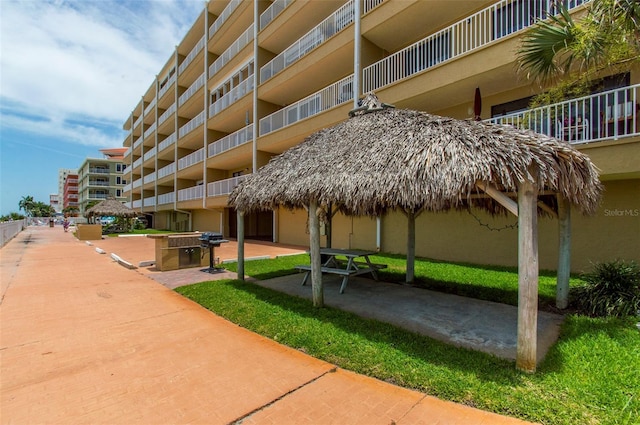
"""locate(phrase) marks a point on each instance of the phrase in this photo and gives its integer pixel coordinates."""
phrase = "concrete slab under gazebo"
(384, 159)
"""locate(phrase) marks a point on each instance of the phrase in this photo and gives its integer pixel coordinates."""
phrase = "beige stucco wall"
(206, 220)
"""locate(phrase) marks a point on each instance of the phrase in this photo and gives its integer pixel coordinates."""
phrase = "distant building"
(99, 178)
(54, 202)
(67, 184)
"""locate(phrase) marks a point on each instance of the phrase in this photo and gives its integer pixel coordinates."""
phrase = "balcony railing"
(99, 171)
(192, 159)
(232, 140)
(608, 115)
(150, 106)
(233, 96)
(166, 114)
(223, 187)
(190, 193)
(149, 178)
(192, 125)
(232, 51)
(149, 131)
(72, 181)
(167, 142)
(368, 5)
(318, 35)
(137, 203)
(137, 184)
(98, 183)
(471, 33)
(166, 87)
(193, 88)
(167, 170)
(272, 11)
(137, 162)
(192, 55)
(327, 98)
(166, 198)
(138, 142)
(137, 122)
(127, 187)
(223, 17)
(150, 201)
(72, 196)
(150, 153)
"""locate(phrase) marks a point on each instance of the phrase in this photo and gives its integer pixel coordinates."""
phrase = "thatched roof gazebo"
(384, 159)
(110, 207)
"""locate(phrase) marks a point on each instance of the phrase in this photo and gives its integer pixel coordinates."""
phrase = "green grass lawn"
(590, 376)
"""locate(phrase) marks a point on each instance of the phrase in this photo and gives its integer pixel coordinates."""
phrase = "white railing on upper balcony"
(192, 55)
(149, 178)
(166, 198)
(167, 86)
(127, 187)
(223, 187)
(127, 152)
(192, 125)
(137, 162)
(126, 171)
(166, 114)
(137, 183)
(193, 88)
(138, 142)
(150, 106)
(230, 141)
(318, 35)
(137, 203)
(233, 96)
(223, 17)
(192, 159)
(137, 121)
(150, 201)
(368, 5)
(327, 98)
(608, 115)
(232, 51)
(272, 11)
(167, 170)
(149, 131)
(167, 142)
(473, 32)
(190, 193)
(150, 153)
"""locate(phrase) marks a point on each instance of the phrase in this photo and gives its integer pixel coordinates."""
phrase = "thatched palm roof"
(110, 207)
(394, 158)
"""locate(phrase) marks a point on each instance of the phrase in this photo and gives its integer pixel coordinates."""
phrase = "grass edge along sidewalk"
(589, 376)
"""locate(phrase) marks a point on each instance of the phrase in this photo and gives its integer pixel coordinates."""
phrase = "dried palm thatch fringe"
(110, 207)
(406, 159)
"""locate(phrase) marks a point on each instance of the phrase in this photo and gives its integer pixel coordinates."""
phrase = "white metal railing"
(272, 11)
(9, 229)
(137, 183)
(150, 130)
(368, 5)
(496, 21)
(166, 198)
(193, 88)
(137, 122)
(167, 142)
(98, 183)
(93, 170)
(150, 201)
(318, 35)
(167, 170)
(232, 51)
(608, 115)
(150, 153)
(150, 106)
(233, 96)
(327, 98)
(192, 125)
(166, 114)
(223, 187)
(98, 195)
(230, 141)
(137, 162)
(127, 152)
(223, 17)
(149, 178)
(190, 193)
(138, 142)
(72, 181)
(167, 86)
(192, 55)
(192, 159)
(137, 203)
(72, 196)
(127, 187)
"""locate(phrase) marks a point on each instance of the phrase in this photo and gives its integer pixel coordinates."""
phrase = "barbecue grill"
(211, 240)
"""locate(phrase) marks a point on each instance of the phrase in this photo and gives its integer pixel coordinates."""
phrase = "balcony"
(166, 114)
(127, 187)
(137, 162)
(99, 183)
(272, 11)
(335, 23)
(232, 51)
(473, 32)
(137, 183)
(167, 142)
(149, 178)
(193, 88)
(232, 140)
(191, 56)
(137, 203)
(190, 193)
(166, 198)
(602, 116)
(192, 159)
(166, 86)
(192, 125)
(232, 96)
(149, 154)
(98, 195)
(327, 98)
(137, 143)
(99, 171)
(150, 201)
(167, 170)
(150, 106)
(137, 122)
(223, 187)
(233, 4)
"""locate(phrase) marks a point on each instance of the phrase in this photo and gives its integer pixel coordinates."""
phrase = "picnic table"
(344, 267)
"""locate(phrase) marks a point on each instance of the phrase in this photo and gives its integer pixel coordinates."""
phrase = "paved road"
(84, 340)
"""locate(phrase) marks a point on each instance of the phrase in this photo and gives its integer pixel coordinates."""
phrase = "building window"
(118, 193)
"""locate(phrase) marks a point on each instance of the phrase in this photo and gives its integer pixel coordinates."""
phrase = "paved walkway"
(85, 340)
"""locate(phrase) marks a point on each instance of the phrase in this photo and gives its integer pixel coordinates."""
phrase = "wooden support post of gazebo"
(314, 251)
(240, 228)
(564, 252)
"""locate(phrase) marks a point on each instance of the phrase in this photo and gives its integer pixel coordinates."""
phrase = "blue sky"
(71, 72)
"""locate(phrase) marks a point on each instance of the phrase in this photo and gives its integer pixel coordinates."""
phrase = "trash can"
(51, 222)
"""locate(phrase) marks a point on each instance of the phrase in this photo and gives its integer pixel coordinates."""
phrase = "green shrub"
(611, 289)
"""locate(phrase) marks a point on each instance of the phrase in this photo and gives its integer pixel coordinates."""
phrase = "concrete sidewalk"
(85, 340)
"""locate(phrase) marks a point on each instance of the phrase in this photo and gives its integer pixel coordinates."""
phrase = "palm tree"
(578, 51)
(26, 204)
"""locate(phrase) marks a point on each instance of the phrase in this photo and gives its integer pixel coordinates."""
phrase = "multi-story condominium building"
(63, 174)
(252, 79)
(54, 201)
(100, 178)
(70, 196)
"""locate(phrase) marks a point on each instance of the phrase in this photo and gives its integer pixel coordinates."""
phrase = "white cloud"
(73, 61)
